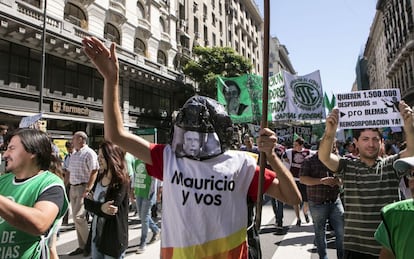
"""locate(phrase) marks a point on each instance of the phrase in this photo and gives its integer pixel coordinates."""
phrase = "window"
(139, 47)
(75, 15)
(161, 58)
(33, 2)
(195, 25)
(149, 98)
(19, 64)
(111, 33)
(162, 25)
(140, 11)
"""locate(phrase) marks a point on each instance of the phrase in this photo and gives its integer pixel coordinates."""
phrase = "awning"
(58, 117)
(51, 116)
(71, 118)
(18, 113)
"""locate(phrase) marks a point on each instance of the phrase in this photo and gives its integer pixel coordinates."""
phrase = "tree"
(210, 62)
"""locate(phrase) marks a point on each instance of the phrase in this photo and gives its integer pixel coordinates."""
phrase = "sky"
(325, 35)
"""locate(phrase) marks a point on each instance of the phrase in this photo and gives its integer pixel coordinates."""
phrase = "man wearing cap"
(395, 233)
(204, 193)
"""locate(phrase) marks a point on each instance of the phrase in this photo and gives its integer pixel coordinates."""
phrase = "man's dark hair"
(300, 141)
(356, 133)
(35, 142)
(68, 144)
(228, 83)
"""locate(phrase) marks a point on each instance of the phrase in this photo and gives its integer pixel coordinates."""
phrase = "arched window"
(162, 25)
(75, 15)
(176, 63)
(111, 33)
(139, 47)
(161, 58)
(140, 11)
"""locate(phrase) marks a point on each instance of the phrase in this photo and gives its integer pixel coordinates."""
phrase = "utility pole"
(43, 60)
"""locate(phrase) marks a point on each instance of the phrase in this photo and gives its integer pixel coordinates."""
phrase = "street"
(296, 243)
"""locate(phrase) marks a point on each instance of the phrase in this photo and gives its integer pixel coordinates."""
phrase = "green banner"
(242, 97)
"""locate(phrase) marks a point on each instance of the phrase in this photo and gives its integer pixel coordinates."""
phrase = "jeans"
(144, 209)
(278, 210)
(335, 213)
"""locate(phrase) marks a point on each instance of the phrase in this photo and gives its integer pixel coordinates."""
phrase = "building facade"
(279, 58)
(43, 68)
(390, 48)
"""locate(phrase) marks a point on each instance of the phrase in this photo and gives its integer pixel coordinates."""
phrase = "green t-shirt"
(396, 230)
(15, 243)
(142, 185)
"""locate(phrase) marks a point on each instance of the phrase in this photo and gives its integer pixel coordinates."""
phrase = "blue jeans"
(144, 209)
(278, 210)
(335, 213)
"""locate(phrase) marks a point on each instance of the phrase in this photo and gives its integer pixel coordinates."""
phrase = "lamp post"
(42, 67)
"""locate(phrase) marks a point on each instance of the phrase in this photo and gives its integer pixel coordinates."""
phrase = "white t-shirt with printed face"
(204, 204)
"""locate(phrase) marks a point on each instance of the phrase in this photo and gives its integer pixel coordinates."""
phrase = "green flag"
(242, 97)
(295, 136)
(329, 104)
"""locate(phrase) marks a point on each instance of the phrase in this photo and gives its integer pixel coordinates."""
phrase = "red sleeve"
(269, 176)
(156, 169)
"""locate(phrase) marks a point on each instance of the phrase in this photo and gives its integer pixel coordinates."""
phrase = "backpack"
(253, 239)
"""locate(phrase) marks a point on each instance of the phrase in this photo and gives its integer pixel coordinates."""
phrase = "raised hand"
(104, 59)
(332, 121)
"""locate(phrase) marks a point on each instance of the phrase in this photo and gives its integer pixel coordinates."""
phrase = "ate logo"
(307, 94)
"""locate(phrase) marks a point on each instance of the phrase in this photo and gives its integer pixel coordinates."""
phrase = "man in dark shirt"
(324, 202)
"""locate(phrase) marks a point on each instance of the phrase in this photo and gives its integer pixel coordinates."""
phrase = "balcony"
(144, 29)
(165, 41)
(116, 11)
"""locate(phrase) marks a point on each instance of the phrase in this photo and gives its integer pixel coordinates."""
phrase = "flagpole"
(263, 123)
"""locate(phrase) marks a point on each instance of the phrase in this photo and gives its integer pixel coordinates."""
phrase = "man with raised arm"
(369, 181)
(204, 193)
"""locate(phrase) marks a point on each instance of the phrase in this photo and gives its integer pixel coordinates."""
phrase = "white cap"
(404, 164)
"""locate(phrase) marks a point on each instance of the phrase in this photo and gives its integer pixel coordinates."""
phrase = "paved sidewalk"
(297, 243)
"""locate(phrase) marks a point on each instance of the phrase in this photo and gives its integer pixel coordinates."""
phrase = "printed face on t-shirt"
(191, 145)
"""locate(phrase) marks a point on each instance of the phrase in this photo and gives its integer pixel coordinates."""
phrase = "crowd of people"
(204, 177)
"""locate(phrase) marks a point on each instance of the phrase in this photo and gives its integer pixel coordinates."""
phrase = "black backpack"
(253, 239)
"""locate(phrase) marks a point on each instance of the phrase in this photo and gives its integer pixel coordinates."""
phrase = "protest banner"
(293, 97)
(242, 97)
(369, 109)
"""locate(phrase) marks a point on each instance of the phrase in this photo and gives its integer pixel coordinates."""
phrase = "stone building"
(43, 68)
